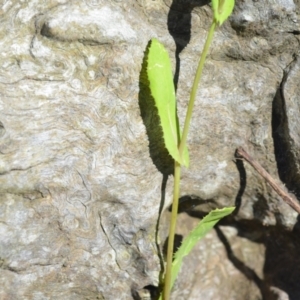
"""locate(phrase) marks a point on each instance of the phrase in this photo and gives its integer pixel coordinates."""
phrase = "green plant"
(162, 90)
(207, 223)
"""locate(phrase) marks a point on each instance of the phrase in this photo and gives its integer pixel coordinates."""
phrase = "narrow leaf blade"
(207, 223)
(162, 89)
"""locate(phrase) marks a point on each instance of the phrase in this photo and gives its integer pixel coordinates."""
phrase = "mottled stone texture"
(80, 189)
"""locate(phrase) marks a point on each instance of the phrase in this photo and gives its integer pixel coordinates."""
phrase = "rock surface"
(80, 188)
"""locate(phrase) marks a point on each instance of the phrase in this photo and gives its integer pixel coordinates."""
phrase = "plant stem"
(167, 283)
(195, 87)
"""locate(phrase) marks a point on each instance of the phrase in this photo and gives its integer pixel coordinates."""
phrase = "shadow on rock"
(179, 26)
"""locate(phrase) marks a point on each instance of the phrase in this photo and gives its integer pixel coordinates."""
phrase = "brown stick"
(288, 198)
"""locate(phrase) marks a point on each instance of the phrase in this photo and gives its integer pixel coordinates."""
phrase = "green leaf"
(207, 223)
(162, 89)
(222, 10)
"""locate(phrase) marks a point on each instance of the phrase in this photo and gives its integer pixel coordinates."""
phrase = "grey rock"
(81, 178)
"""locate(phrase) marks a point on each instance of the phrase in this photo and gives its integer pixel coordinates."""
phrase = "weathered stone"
(81, 189)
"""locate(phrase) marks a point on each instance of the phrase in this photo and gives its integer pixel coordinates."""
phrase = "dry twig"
(288, 198)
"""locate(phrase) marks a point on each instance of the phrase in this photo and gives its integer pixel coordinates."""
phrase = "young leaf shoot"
(222, 10)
